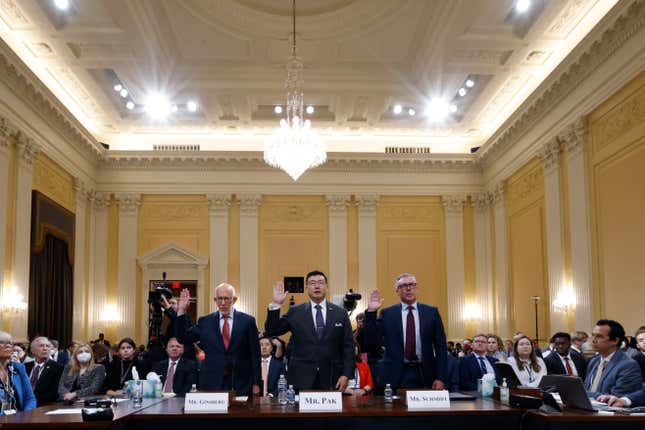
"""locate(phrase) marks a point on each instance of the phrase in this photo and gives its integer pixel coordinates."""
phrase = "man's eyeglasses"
(408, 286)
(224, 299)
(4, 343)
(319, 283)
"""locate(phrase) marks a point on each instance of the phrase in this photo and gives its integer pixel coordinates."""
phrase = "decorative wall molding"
(481, 201)
(218, 203)
(101, 200)
(574, 137)
(128, 202)
(28, 149)
(337, 203)
(552, 91)
(453, 204)
(249, 204)
(7, 130)
(550, 155)
(497, 194)
(366, 203)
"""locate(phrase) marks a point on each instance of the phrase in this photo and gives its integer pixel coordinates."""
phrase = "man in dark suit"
(476, 364)
(562, 361)
(413, 336)
(169, 326)
(178, 374)
(44, 373)
(229, 339)
(322, 356)
(271, 368)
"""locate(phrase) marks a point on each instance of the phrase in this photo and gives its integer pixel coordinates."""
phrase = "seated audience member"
(271, 367)
(120, 369)
(452, 384)
(361, 384)
(102, 340)
(495, 348)
(59, 356)
(508, 346)
(474, 365)
(177, 373)
(578, 340)
(562, 361)
(15, 387)
(528, 367)
(611, 371)
(81, 377)
(18, 353)
(451, 348)
(44, 373)
(639, 357)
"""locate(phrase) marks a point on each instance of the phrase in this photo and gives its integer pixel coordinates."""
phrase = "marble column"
(483, 261)
(249, 204)
(97, 293)
(5, 134)
(574, 139)
(79, 317)
(218, 218)
(550, 155)
(337, 209)
(367, 281)
(454, 218)
(27, 152)
(501, 264)
(127, 263)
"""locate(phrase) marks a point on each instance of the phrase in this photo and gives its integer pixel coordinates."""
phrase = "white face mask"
(83, 357)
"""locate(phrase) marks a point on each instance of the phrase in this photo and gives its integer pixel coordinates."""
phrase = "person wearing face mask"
(120, 369)
(81, 377)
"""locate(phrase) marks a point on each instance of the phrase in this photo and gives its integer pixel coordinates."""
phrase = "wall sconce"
(110, 315)
(565, 301)
(472, 312)
(12, 302)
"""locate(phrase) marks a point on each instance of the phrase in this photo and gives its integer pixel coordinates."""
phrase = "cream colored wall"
(616, 162)
(53, 181)
(526, 249)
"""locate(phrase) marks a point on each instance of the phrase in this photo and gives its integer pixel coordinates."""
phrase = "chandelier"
(294, 146)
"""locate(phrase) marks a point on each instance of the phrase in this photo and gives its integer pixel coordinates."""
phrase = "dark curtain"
(51, 291)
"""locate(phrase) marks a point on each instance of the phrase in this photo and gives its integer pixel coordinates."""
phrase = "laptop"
(505, 370)
(572, 392)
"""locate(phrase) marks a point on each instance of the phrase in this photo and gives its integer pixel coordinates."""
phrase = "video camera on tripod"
(154, 301)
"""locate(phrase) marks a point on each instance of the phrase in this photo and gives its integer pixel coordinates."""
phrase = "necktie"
(320, 322)
(169, 377)
(410, 337)
(596, 378)
(226, 332)
(35, 374)
(265, 375)
(482, 365)
(568, 366)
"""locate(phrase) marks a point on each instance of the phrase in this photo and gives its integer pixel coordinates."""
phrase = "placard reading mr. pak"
(321, 401)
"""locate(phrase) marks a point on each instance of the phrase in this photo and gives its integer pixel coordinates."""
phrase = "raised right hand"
(375, 302)
(279, 294)
(183, 302)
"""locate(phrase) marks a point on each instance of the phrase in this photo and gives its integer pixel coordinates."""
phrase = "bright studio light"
(157, 107)
(129, 105)
(470, 83)
(123, 92)
(438, 109)
(397, 109)
(462, 92)
(192, 106)
(277, 109)
(522, 5)
(62, 4)
(310, 109)
(412, 112)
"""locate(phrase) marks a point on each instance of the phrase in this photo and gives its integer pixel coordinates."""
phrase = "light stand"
(535, 300)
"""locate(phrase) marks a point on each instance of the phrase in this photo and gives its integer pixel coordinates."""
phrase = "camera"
(350, 299)
(154, 301)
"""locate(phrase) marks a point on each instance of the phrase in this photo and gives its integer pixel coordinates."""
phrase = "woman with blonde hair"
(81, 377)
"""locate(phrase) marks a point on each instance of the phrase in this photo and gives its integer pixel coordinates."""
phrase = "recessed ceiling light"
(192, 106)
(123, 92)
(462, 92)
(118, 87)
(522, 6)
(62, 4)
(397, 109)
(310, 109)
(307, 123)
(130, 105)
(277, 109)
(411, 112)
(174, 108)
(470, 83)
(157, 106)
(452, 108)
(437, 109)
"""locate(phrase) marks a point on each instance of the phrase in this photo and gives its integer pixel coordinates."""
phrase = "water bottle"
(387, 393)
(193, 388)
(282, 390)
(504, 393)
(126, 391)
(291, 395)
(158, 388)
(137, 394)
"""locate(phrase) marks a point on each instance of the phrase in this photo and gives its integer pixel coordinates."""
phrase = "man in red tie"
(562, 361)
(412, 333)
(177, 373)
(229, 339)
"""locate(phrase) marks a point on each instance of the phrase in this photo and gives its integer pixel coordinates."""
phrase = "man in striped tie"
(177, 373)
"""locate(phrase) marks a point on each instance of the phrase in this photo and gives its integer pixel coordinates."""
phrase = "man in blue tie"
(321, 335)
(476, 364)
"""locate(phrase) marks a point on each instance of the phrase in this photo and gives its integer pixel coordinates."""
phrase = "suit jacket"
(46, 390)
(470, 371)
(171, 331)
(387, 331)
(637, 398)
(186, 373)
(620, 376)
(328, 357)
(62, 358)
(88, 384)
(276, 368)
(640, 359)
(25, 399)
(452, 383)
(554, 365)
(242, 358)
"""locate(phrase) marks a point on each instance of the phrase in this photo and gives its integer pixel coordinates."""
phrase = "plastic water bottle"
(504, 393)
(387, 393)
(158, 388)
(193, 388)
(282, 390)
(126, 391)
(137, 394)
(291, 395)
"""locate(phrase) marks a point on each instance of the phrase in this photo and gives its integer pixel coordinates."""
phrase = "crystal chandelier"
(294, 146)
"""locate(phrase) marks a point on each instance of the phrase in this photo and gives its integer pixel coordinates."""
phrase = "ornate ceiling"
(362, 57)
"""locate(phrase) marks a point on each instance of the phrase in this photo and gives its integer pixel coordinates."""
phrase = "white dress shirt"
(489, 367)
(323, 309)
(417, 330)
(527, 376)
(564, 364)
(230, 322)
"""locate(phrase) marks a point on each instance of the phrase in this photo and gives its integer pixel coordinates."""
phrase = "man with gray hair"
(229, 339)
(44, 373)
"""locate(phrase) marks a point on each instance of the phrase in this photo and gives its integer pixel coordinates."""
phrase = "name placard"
(421, 400)
(206, 402)
(321, 401)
